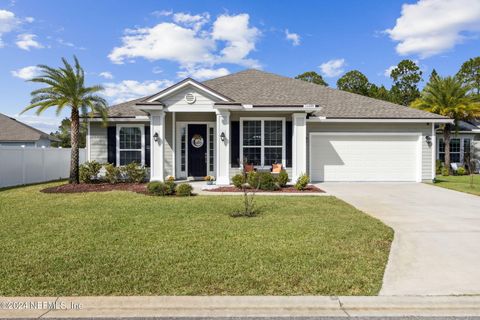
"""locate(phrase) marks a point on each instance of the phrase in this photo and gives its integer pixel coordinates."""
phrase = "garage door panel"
(363, 158)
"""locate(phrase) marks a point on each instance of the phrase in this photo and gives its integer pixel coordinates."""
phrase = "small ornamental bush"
(89, 171)
(266, 181)
(238, 180)
(302, 182)
(170, 187)
(445, 171)
(112, 173)
(461, 171)
(252, 179)
(133, 173)
(184, 190)
(170, 178)
(156, 188)
(282, 178)
(438, 167)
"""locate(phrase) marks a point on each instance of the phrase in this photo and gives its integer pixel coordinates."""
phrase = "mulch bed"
(287, 189)
(97, 187)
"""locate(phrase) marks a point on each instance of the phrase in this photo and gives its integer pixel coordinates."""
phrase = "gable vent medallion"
(190, 98)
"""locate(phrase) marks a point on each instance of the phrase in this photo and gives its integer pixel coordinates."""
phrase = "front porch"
(192, 145)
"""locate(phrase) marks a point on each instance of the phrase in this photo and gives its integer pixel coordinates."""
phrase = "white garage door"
(364, 157)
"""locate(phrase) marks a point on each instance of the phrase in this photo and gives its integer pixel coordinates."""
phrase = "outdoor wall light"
(222, 136)
(429, 140)
(155, 137)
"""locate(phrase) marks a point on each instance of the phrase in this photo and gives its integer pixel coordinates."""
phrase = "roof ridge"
(42, 133)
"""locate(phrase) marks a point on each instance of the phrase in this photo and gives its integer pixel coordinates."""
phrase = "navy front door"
(197, 150)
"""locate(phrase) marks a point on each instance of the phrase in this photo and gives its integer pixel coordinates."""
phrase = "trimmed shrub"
(184, 190)
(282, 178)
(461, 171)
(252, 179)
(445, 171)
(238, 180)
(438, 167)
(302, 182)
(133, 173)
(170, 178)
(89, 171)
(157, 188)
(266, 181)
(112, 173)
(170, 187)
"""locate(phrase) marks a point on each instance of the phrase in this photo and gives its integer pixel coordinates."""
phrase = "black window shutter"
(235, 144)
(289, 135)
(112, 145)
(147, 146)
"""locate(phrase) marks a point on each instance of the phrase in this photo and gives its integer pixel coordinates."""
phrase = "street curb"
(241, 306)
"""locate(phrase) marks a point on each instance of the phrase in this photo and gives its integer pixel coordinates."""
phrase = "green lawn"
(123, 243)
(459, 183)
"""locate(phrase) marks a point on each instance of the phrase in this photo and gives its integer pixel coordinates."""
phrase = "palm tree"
(448, 97)
(65, 88)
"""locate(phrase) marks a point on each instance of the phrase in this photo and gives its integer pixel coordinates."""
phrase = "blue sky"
(135, 48)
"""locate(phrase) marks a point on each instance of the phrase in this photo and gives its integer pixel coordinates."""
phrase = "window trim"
(262, 139)
(141, 126)
(462, 146)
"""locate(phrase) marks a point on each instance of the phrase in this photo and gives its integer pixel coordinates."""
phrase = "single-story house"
(193, 129)
(464, 140)
(14, 133)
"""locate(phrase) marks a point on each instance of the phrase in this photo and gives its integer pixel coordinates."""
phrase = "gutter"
(378, 120)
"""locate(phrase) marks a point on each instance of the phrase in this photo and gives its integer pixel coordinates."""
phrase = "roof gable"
(14, 130)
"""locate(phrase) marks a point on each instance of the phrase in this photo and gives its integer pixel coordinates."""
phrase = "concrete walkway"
(142, 307)
(436, 250)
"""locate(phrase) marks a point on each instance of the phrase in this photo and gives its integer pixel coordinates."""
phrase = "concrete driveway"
(436, 249)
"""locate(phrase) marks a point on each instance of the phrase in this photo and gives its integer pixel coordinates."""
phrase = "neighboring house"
(192, 129)
(464, 140)
(14, 133)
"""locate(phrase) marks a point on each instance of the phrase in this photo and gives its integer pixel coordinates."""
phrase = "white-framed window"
(459, 147)
(262, 141)
(130, 144)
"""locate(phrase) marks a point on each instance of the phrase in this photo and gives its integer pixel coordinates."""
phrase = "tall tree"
(354, 81)
(64, 134)
(313, 77)
(406, 77)
(448, 97)
(65, 88)
(433, 75)
(470, 74)
(381, 92)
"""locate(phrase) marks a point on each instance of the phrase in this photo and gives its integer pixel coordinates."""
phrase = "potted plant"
(209, 179)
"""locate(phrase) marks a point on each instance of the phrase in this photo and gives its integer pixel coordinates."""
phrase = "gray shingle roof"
(263, 88)
(14, 130)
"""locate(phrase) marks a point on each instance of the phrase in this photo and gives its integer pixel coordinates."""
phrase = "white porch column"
(223, 147)
(157, 125)
(299, 145)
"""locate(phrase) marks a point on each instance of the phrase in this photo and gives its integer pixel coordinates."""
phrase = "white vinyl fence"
(31, 165)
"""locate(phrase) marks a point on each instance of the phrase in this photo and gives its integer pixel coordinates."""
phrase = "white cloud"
(203, 73)
(333, 68)
(29, 19)
(25, 41)
(8, 22)
(388, 71)
(194, 21)
(190, 43)
(106, 75)
(26, 73)
(430, 27)
(45, 123)
(162, 13)
(294, 37)
(132, 89)
(157, 70)
(239, 36)
(166, 41)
